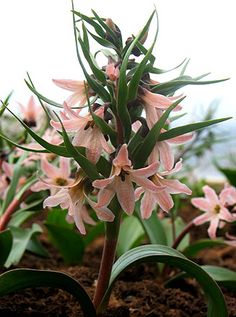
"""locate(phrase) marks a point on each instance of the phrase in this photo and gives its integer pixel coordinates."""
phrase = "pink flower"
(74, 198)
(112, 71)
(87, 134)
(78, 88)
(214, 208)
(57, 177)
(30, 112)
(164, 152)
(120, 181)
(163, 198)
(154, 104)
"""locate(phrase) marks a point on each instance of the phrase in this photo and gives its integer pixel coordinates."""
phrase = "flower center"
(217, 209)
(61, 181)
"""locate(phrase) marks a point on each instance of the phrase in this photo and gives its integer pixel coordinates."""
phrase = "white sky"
(37, 36)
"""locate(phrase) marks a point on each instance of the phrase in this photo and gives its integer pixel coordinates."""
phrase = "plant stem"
(13, 206)
(108, 256)
(182, 235)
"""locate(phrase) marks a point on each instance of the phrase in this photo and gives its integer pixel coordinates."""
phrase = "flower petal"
(201, 203)
(122, 158)
(213, 227)
(148, 204)
(125, 194)
(69, 84)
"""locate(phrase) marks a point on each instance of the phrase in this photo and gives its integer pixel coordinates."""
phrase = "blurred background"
(37, 37)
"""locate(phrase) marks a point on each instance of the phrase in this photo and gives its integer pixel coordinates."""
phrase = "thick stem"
(13, 206)
(108, 256)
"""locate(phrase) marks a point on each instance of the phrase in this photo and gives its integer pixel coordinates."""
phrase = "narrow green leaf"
(85, 37)
(229, 173)
(194, 248)
(134, 83)
(102, 41)
(19, 217)
(151, 138)
(122, 97)
(99, 74)
(153, 70)
(5, 245)
(167, 255)
(189, 128)
(179, 226)
(130, 233)
(104, 167)
(21, 237)
(18, 279)
(93, 23)
(170, 87)
(5, 104)
(41, 97)
(57, 149)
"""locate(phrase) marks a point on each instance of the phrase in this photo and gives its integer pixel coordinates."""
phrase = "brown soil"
(138, 292)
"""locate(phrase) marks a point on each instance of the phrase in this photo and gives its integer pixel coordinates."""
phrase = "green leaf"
(229, 173)
(179, 226)
(152, 226)
(194, 248)
(41, 97)
(36, 247)
(102, 41)
(171, 86)
(188, 128)
(21, 237)
(134, 82)
(167, 255)
(91, 21)
(18, 279)
(154, 70)
(122, 97)
(62, 234)
(19, 217)
(85, 37)
(5, 104)
(104, 167)
(224, 277)
(99, 74)
(88, 167)
(151, 138)
(11, 192)
(130, 233)
(57, 149)
(5, 245)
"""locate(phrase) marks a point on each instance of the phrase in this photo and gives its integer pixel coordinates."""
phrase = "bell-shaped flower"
(163, 197)
(155, 104)
(30, 112)
(112, 70)
(87, 134)
(121, 181)
(214, 208)
(78, 88)
(73, 198)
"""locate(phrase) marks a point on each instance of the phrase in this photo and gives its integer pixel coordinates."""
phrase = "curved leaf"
(196, 247)
(221, 275)
(5, 245)
(189, 128)
(164, 254)
(18, 279)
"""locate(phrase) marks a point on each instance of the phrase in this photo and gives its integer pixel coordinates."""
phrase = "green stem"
(108, 256)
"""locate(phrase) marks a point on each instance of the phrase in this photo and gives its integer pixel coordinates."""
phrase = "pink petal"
(164, 200)
(125, 194)
(78, 218)
(202, 219)
(104, 197)
(211, 195)
(146, 171)
(226, 215)
(69, 125)
(166, 155)
(55, 200)
(176, 169)
(122, 158)
(68, 84)
(213, 227)
(37, 187)
(174, 186)
(138, 192)
(146, 183)
(75, 98)
(65, 167)
(48, 169)
(148, 204)
(201, 203)
(181, 139)
(102, 183)
(103, 213)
